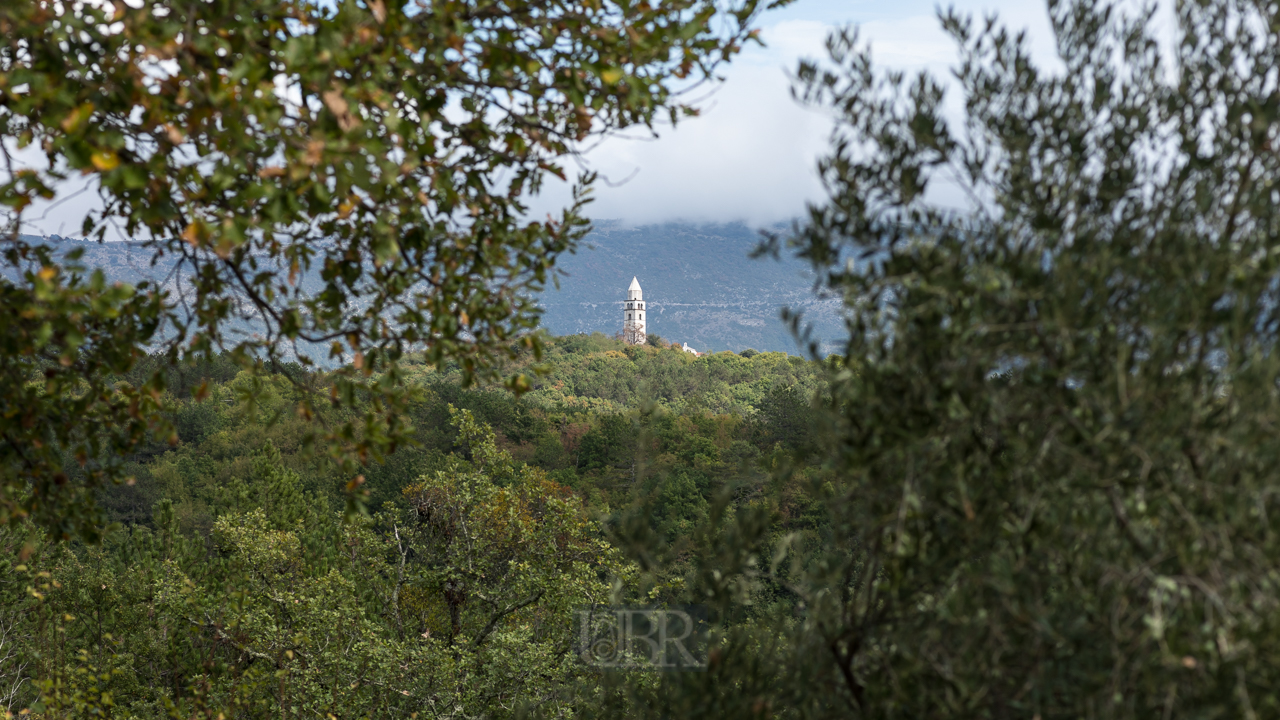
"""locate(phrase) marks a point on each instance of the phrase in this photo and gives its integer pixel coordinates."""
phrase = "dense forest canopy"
(232, 581)
(1038, 481)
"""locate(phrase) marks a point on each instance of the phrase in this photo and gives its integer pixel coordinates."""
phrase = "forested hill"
(701, 286)
(585, 383)
(230, 567)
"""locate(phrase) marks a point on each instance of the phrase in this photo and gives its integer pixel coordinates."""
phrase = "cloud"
(749, 155)
(752, 154)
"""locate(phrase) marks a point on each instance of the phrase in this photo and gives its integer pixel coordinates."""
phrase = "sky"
(751, 154)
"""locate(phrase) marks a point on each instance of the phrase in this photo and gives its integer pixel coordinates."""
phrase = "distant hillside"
(700, 285)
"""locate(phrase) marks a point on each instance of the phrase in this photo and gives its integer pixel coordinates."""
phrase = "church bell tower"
(633, 327)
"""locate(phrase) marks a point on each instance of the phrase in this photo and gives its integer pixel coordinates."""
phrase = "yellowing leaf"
(338, 106)
(193, 234)
(335, 102)
(105, 160)
(224, 247)
(174, 135)
(315, 151)
(612, 75)
(77, 118)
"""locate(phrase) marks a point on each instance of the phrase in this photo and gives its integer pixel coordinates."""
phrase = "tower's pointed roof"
(635, 284)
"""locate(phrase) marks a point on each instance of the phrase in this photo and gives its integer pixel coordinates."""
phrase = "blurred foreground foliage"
(1051, 457)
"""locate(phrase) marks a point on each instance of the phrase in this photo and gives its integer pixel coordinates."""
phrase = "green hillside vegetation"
(231, 569)
(273, 600)
(706, 417)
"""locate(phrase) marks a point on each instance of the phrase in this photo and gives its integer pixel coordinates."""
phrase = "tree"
(608, 445)
(14, 667)
(784, 416)
(503, 556)
(458, 602)
(633, 333)
(1052, 432)
(327, 182)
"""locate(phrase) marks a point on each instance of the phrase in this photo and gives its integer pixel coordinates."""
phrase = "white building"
(633, 327)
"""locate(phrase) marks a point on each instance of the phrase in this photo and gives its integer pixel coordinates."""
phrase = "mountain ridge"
(700, 284)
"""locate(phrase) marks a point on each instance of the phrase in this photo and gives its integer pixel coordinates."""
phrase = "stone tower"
(633, 327)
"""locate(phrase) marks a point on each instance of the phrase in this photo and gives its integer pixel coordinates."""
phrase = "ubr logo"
(643, 638)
